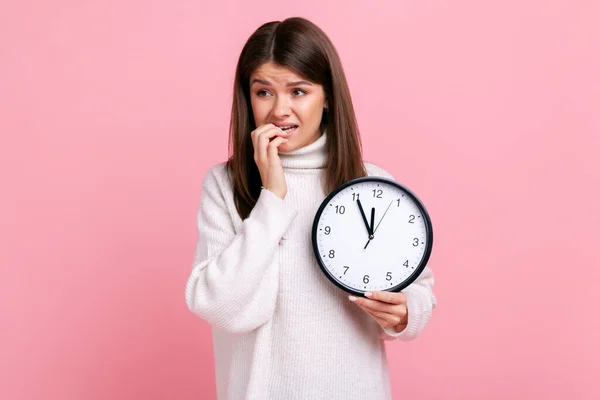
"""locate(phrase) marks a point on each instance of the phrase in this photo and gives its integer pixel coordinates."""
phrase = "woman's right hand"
(267, 159)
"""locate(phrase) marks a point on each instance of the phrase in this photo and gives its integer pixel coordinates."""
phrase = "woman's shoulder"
(218, 170)
(376, 170)
(217, 176)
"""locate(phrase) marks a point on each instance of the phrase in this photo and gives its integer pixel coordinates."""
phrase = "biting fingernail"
(352, 298)
(368, 294)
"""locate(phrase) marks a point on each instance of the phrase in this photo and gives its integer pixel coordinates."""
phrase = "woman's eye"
(299, 92)
(262, 93)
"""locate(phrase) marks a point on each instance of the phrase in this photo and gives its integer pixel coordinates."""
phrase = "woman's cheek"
(307, 110)
(259, 112)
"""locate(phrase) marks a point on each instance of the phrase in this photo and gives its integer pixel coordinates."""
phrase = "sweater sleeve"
(234, 280)
(420, 302)
(420, 299)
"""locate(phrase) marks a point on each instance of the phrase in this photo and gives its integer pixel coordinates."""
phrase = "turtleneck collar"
(312, 156)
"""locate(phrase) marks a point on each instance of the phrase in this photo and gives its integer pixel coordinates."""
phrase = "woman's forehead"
(276, 74)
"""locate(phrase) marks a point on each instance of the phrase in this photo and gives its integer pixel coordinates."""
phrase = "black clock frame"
(420, 205)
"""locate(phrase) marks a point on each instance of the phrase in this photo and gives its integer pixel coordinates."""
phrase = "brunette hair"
(301, 46)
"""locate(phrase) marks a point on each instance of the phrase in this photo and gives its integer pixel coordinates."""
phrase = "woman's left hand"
(387, 308)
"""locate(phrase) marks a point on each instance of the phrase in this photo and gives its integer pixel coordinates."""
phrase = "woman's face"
(281, 97)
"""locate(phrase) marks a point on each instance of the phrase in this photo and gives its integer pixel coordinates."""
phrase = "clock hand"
(383, 216)
(362, 212)
(372, 223)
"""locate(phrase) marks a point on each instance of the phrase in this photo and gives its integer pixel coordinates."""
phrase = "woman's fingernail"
(368, 294)
(352, 298)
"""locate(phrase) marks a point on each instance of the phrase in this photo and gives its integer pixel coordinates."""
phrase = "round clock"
(372, 233)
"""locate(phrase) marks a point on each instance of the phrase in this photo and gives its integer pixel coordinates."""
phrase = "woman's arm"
(235, 277)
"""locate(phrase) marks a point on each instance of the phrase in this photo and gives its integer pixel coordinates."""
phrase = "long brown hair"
(304, 48)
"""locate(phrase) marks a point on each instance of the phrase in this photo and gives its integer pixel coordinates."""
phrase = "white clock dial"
(388, 258)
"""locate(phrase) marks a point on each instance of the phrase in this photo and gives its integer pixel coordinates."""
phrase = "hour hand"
(371, 234)
(362, 212)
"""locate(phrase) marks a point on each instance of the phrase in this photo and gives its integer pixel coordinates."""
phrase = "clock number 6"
(366, 279)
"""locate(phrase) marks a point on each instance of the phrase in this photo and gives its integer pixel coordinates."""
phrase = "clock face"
(372, 233)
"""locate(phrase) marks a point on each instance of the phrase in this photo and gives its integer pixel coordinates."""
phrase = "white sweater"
(281, 329)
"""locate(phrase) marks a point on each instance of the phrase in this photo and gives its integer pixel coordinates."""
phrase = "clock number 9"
(327, 230)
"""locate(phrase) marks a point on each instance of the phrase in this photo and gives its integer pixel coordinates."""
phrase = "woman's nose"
(282, 107)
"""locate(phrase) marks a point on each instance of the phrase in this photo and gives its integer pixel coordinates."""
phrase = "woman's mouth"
(288, 128)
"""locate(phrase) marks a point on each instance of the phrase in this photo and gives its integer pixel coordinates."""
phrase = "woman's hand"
(387, 308)
(267, 159)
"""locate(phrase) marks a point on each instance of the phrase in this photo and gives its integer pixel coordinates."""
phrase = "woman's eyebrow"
(299, 83)
(266, 83)
(256, 80)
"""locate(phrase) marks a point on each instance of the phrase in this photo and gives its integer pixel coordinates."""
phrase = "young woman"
(281, 329)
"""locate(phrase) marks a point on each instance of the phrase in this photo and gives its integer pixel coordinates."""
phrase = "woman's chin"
(285, 147)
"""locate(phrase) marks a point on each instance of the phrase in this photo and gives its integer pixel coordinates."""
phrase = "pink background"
(111, 112)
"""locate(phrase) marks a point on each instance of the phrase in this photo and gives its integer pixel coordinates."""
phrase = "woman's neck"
(311, 156)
